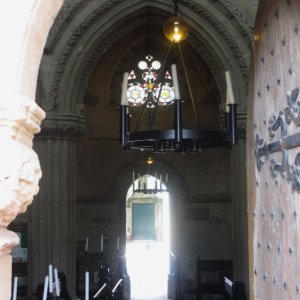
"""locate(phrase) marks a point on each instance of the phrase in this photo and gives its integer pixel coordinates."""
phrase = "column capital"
(8, 240)
(20, 171)
(67, 126)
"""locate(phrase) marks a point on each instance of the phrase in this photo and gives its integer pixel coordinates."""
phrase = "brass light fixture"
(150, 183)
(175, 29)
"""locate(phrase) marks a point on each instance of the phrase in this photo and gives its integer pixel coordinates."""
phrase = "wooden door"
(143, 221)
(273, 152)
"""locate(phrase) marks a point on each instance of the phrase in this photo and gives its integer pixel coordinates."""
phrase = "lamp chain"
(175, 7)
(188, 83)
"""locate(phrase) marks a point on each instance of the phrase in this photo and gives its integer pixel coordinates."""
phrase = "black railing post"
(178, 122)
(123, 126)
(233, 123)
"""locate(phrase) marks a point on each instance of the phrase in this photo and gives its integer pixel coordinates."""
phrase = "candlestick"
(57, 291)
(124, 89)
(50, 279)
(160, 178)
(229, 96)
(87, 284)
(175, 81)
(45, 288)
(101, 246)
(15, 288)
(118, 243)
(86, 244)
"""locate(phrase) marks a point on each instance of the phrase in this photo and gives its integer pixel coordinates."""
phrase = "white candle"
(57, 291)
(118, 243)
(227, 102)
(50, 279)
(45, 288)
(87, 284)
(124, 89)
(175, 81)
(230, 99)
(99, 291)
(15, 288)
(86, 244)
(116, 286)
(160, 179)
(101, 246)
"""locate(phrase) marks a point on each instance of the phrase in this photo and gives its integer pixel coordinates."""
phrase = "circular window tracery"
(148, 91)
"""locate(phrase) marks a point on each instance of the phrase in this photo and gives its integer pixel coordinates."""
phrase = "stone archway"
(20, 116)
(65, 119)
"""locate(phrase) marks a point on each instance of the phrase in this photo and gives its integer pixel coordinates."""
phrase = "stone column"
(52, 218)
(239, 204)
(20, 172)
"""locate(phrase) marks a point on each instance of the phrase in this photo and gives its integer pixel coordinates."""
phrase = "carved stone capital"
(20, 171)
(8, 240)
(67, 126)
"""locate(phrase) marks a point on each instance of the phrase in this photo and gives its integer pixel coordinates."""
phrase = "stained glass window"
(142, 86)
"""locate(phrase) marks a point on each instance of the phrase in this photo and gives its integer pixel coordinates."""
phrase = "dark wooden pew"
(235, 290)
(210, 276)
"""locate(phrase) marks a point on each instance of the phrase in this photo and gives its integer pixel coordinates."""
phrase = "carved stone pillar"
(19, 173)
(239, 204)
(52, 218)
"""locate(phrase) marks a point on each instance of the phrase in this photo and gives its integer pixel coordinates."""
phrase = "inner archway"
(147, 238)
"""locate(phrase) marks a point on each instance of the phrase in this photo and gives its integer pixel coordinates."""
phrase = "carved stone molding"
(221, 29)
(72, 42)
(67, 13)
(20, 170)
(233, 11)
(63, 126)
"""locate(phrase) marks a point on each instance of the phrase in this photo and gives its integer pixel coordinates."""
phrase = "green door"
(143, 221)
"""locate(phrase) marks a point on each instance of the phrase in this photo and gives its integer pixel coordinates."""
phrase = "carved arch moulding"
(212, 62)
(68, 11)
(100, 12)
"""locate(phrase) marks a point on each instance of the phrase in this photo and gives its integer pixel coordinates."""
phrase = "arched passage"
(148, 237)
(65, 117)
